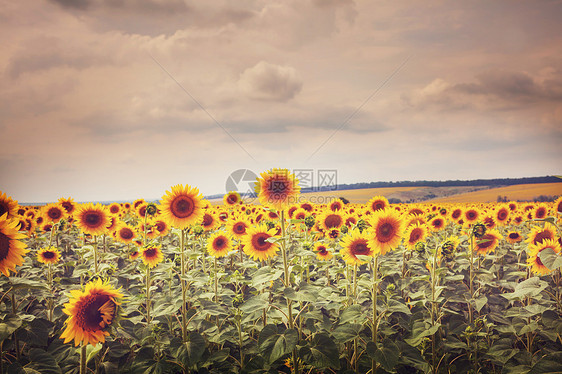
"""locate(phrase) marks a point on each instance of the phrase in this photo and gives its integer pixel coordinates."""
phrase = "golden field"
(513, 193)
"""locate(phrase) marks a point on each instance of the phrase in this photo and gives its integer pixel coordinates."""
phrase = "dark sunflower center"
(114, 209)
(514, 235)
(487, 241)
(126, 233)
(67, 206)
(92, 219)
(4, 246)
(239, 228)
(471, 215)
(220, 242)
(456, 214)
(385, 232)
(307, 207)
(160, 226)
(322, 250)
(415, 235)
(259, 242)
(150, 252)
(54, 213)
(232, 199)
(48, 255)
(207, 220)
(437, 223)
(300, 216)
(333, 220)
(543, 235)
(182, 206)
(378, 205)
(541, 213)
(89, 316)
(502, 214)
(360, 248)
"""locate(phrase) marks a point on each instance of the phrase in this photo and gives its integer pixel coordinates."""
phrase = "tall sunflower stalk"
(374, 294)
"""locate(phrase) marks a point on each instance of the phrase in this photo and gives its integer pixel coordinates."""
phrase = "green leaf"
(480, 302)
(550, 259)
(265, 274)
(549, 364)
(395, 306)
(420, 331)
(274, 345)
(43, 362)
(347, 332)
(192, 350)
(254, 304)
(351, 314)
(388, 355)
(528, 288)
(92, 351)
(10, 323)
(27, 284)
(322, 352)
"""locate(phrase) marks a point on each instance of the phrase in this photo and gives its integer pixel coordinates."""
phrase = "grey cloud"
(269, 82)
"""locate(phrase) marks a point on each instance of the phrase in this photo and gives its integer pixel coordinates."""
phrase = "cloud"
(270, 82)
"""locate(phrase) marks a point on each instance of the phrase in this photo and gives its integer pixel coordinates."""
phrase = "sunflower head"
(8, 206)
(151, 255)
(386, 230)
(487, 242)
(277, 189)
(354, 244)
(219, 244)
(48, 255)
(257, 243)
(53, 212)
(182, 207)
(322, 252)
(92, 219)
(414, 234)
(91, 313)
(534, 260)
(12, 249)
(231, 199)
(378, 203)
(478, 230)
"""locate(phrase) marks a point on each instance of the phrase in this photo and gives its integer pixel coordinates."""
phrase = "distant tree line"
(453, 183)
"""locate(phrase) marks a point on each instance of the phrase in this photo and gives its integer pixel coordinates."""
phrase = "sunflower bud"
(478, 230)
(307, 246)
(151, 209)
(198, 230)
(344, 229)
(420, 247)
(270, 224)
(309, 221)
(361, 225)
(390, 287)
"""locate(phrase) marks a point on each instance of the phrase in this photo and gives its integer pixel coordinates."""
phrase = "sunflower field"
(283, 286)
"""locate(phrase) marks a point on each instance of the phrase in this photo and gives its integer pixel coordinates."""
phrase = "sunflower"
(182, 206)
(386, 230)
(335, 205)
(322, 252)
(124, 233)
(277, 189)
(558, 205)
(219, 244)
(534, 260)
(413, 234)
(12, 249)
(137, 202)
(90, 313)
(456, 214)
(151, 255)
(209, 221)
(329, 220)
(437, 223)
(350, 220)
(256, 245)
(471, 215)
(53, 212)
(501, 214)
(355, 244)
(68, 204)
(161, 227)
(237, 226)
(538, 234)
(307, 206)
(232, 198)
(114, 208)
(134, 254)
(513, 237)
(48, 255)
(92, 219)
(378, 203)
(488, 242)
(7, 205)
(489, 221)
(540, 211)
(300, 213)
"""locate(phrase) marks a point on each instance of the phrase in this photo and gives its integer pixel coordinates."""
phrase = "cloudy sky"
(121, 99)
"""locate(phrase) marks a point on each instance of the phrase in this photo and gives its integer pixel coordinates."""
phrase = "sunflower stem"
(470, 276)
(183, 290)
(374, 302)
(216, 282)
(83, 359)
(147, 295)
(95, 255)
(16, 341)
